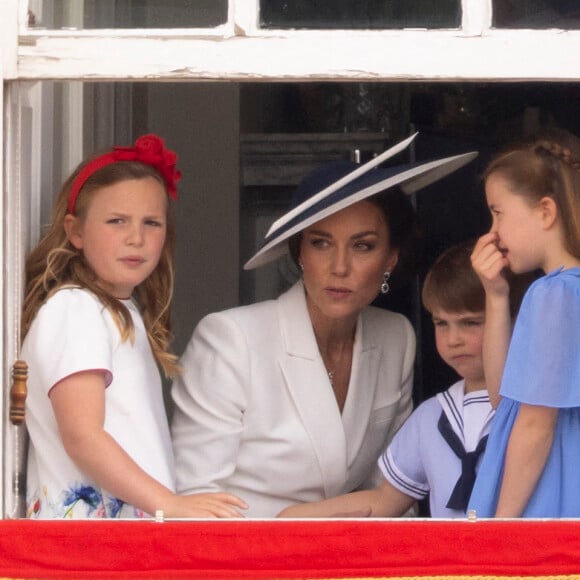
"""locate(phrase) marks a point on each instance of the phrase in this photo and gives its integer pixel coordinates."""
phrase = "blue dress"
(542, 368)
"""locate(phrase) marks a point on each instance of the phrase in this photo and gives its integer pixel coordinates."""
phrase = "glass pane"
(536, 14)
(360, 14)
(244, 147)
(89, 14)
(369, 108)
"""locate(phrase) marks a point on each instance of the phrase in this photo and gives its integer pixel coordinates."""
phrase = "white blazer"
(255, 414)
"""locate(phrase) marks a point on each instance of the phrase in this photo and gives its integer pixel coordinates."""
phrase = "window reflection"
(360, 14)
(537, 14)
(90, 14)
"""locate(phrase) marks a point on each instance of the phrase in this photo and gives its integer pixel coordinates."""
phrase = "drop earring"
(385, 285)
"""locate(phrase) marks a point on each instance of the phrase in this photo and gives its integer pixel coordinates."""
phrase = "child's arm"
(528, 449)
(78, 402)
(488, 263)
(384, 501)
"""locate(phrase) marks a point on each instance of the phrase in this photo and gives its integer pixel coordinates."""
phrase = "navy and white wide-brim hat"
(333, 188)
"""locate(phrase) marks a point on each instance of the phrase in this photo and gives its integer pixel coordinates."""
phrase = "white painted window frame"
(236, 51)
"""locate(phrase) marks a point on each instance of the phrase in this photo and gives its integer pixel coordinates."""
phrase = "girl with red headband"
(96, 326)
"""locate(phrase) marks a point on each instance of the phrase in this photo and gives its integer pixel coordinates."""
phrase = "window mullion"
(245, 16)
(14, 235)
(476, 18)
(9, 37)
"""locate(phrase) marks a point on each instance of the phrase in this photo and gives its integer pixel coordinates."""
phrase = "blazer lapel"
(308, 383)
(361, 390)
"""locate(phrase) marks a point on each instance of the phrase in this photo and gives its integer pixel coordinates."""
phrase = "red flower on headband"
(148, 149)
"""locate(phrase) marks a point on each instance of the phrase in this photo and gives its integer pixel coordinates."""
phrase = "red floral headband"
(148, 149)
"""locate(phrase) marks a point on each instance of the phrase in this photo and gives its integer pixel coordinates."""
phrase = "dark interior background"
(451, 118)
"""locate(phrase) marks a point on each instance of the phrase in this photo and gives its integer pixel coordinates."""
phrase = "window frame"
(234, 52)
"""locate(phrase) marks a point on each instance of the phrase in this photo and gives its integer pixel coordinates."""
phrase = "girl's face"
(123, 233)
(518, 224)
(343, 258)
(459, 342)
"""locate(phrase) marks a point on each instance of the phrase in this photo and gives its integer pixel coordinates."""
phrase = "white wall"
(201, 122)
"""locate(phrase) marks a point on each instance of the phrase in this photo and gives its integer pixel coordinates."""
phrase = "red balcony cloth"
(287, 549)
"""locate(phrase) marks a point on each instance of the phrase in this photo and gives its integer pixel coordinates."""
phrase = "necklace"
(330, 377)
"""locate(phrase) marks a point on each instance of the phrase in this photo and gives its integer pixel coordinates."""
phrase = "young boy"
(437, 451)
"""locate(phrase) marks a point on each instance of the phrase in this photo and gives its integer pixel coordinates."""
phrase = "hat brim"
(410, 178)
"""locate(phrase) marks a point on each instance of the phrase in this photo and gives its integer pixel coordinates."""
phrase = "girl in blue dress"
(531, 467)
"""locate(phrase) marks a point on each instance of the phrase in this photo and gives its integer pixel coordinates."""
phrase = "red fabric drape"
(287, 549)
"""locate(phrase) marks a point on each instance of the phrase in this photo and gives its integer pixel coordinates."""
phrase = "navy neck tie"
(461, 493)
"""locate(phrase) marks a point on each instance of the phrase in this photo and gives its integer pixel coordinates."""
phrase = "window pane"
(360, 14)
(244, 146)
(536, 14)
(128, 13)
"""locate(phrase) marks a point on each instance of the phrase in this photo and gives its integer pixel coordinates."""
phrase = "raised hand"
(489, 263)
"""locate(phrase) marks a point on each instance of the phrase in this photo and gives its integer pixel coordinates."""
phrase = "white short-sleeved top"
(419, 462)
(71, 333)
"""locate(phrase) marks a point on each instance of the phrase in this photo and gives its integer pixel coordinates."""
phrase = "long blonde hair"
(55, 263)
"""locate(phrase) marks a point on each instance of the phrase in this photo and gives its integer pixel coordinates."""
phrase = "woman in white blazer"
(292, 400)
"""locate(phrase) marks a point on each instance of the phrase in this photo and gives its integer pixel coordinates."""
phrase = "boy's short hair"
(452, 284)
